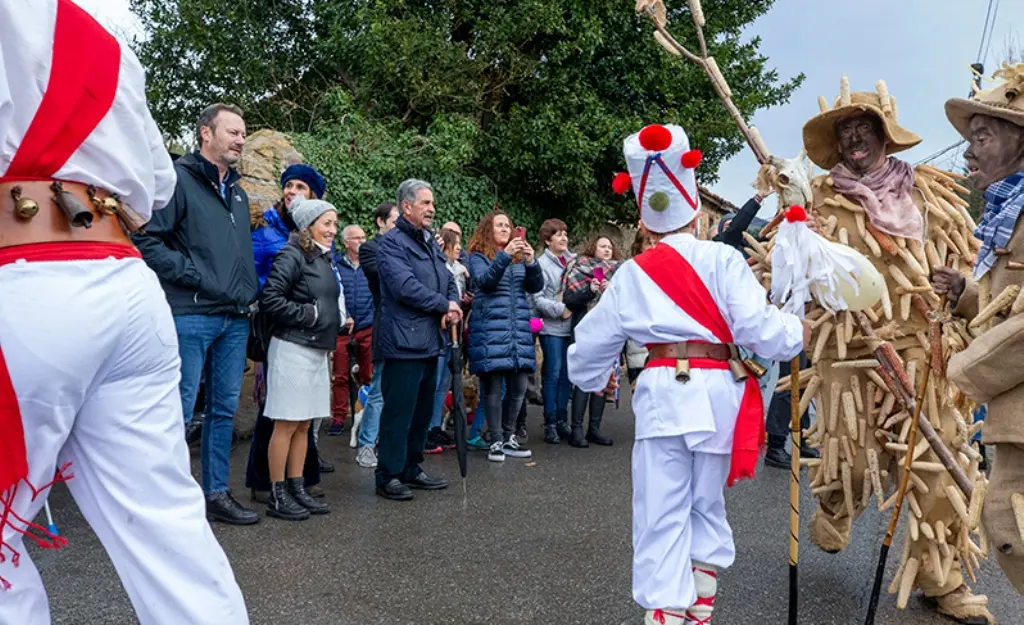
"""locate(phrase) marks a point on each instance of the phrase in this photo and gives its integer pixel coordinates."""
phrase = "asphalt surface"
(531, 542)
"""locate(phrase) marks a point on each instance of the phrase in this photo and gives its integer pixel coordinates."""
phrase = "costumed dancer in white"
(89, 363)
(699, 415)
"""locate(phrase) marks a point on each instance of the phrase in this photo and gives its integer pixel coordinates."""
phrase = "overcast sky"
(921, 48)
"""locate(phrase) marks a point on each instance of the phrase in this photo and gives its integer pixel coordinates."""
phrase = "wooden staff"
(895, 368)
(794, 489)
(908, 458)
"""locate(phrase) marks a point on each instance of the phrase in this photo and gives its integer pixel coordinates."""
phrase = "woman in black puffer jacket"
(302, 298)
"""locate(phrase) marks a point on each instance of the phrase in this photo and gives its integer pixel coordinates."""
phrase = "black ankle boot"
(562, 429)
(576, 438)
(297, 489)
(283, 506)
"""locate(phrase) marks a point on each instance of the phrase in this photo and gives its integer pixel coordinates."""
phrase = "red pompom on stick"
(655, 138)
(692, 159)
(621, 182)
(796, 213)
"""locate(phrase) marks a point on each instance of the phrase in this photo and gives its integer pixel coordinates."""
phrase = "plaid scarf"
(580, 272)
(1004, 201)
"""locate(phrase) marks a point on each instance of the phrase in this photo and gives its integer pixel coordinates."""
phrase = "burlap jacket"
(823, 207)
(991, 369)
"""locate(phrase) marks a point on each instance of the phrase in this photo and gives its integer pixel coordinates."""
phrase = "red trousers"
(342, 370)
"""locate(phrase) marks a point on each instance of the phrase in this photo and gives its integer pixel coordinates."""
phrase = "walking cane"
(883, 555)
(794, 489)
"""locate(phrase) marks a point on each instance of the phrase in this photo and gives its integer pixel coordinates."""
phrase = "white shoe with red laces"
(705, 579)
(666, 617)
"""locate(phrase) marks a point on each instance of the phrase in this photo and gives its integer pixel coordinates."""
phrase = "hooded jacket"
(200, 244)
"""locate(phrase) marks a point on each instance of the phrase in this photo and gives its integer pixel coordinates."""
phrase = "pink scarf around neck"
(886, 197)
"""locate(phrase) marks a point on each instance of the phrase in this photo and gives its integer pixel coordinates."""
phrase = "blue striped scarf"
(1004, 201)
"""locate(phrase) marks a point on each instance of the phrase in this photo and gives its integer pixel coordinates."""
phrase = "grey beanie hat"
(305, 212)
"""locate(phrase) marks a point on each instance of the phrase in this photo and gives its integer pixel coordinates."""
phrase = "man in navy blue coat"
(417, 291)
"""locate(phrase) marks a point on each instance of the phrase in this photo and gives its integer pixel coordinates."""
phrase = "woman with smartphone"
(586, 278)
(502, 266)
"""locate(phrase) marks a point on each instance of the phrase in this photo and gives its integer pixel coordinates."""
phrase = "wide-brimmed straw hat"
(820, 138)
(1005, 101)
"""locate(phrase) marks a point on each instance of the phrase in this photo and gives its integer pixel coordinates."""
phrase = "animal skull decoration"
(789, 177)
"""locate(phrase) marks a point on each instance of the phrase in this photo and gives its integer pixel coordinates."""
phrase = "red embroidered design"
(10, 519)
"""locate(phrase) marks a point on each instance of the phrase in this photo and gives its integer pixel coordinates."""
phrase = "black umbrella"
(458, 402)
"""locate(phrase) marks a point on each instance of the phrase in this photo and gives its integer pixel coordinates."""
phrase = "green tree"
(517, 103)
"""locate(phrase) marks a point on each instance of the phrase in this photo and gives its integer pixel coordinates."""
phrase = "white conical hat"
(661, 172)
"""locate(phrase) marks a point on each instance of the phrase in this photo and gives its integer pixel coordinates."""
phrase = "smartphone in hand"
(520, 233)
(599, 274)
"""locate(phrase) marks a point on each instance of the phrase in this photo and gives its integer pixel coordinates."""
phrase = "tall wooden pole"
(794, 489)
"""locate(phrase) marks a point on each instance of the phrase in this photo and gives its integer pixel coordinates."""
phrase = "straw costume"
(905, 220)
(699, 414)
(991, 369)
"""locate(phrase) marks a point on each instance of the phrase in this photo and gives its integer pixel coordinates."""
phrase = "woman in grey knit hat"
(303, 300)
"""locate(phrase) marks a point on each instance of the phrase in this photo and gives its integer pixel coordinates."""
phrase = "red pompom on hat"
(692, 159)
(655, 138)
(621, 182)
(796, 213)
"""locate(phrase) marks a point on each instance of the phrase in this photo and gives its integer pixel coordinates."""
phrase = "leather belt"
(52, 211)
(690, 349)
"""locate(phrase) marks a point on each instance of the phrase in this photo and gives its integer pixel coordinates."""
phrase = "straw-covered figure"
(867, 366)
(991, 369)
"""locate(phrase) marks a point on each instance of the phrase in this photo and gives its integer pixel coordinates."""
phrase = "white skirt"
(298, 382)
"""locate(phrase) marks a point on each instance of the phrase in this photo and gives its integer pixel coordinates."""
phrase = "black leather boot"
(283, 505)
(562, 429)
(594, 431)
(297, 489)
(580, 400)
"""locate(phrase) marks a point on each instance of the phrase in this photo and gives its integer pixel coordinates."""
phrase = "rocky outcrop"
(267, 154)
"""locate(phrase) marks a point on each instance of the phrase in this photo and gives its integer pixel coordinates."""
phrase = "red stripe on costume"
(84, 73)
(683, 285)
(13, 459)
(64, 251)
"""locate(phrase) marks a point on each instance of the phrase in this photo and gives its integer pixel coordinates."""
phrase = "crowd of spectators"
(349, 331)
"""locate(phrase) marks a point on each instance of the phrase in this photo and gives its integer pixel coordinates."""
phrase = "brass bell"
(78, 215)
(110, 206)
(26, 208)
(683, 370)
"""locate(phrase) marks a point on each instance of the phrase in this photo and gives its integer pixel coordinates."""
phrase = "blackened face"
(995, 152)
(861, 142)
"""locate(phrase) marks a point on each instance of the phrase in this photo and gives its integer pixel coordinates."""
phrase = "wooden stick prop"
(908, 458)
(655, 11)
(794, 489)
(897, 381)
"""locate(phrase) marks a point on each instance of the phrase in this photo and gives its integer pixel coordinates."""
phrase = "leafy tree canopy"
(517, 103)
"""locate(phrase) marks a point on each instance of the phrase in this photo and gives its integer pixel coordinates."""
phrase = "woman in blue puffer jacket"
(269, 234)
(504, 270)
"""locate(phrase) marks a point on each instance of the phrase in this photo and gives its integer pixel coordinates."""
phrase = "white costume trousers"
(93, 357)
(678, 518)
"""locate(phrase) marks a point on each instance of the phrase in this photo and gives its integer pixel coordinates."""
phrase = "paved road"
(527, 545)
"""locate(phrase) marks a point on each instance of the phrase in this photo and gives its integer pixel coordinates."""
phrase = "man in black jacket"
(384, 217)
(417, 291)
(201, 249)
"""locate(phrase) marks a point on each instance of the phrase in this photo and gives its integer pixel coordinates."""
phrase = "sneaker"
(477, 443)
(513, 448)
(521, 434)
(433, 449)
(366, 458)
(496, 453)
(551, 435)
(335, 429)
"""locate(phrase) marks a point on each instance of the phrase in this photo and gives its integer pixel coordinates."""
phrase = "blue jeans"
(555, 378)
(480, 418)
(215, 343)
(444, 378)
(370, 425)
